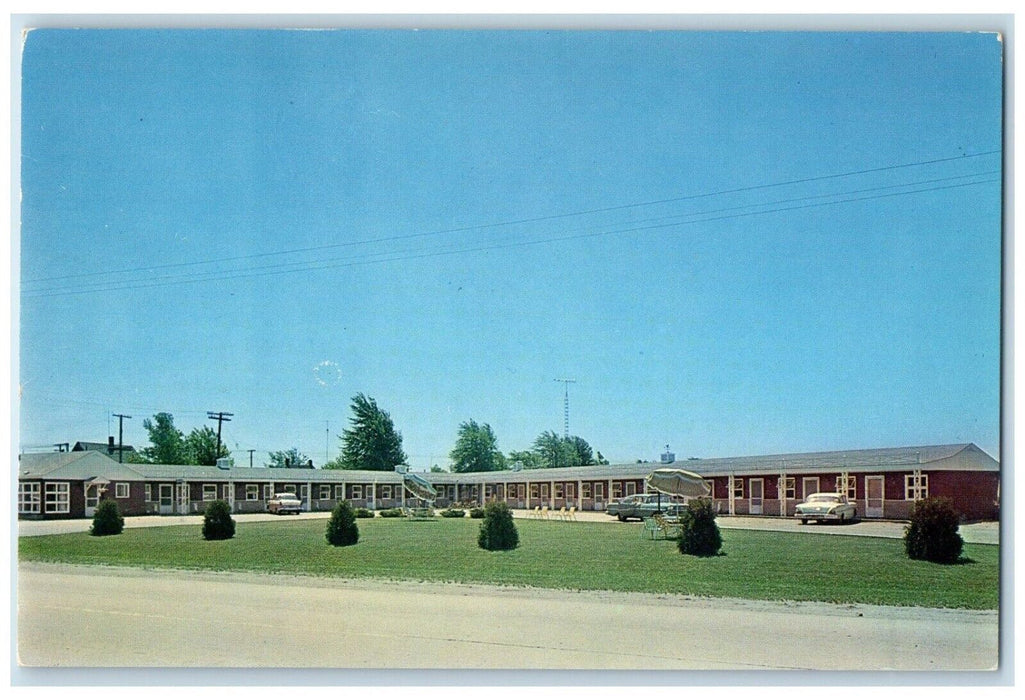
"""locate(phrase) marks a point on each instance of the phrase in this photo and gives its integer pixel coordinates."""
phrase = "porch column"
(480, 495)
(732, 495)
(551, 494)
(526, 496)
(579, 502)
(309, 496)
(781, 493)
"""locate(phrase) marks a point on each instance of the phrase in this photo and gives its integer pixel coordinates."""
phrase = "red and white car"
(284, 503)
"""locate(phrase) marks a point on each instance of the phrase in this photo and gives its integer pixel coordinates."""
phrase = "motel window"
(599, 491)
(533, 490)
(226, 492)
(325, 492)
(544, 491)
(28, 497)
(357, 491)
(120, 490)
(385, 491)
(268, 492)
(209, 492)
(852, 492)
(290, 489)
(520, 491)
(489, 491)
(738, 488)
(916, 487)
(149, 492)
(252, 492)
(558, 490)
(631, 488)
(339, 492)
(585, 490)
(790, 488)
(58, 497)
(571, 491)
(617, 489)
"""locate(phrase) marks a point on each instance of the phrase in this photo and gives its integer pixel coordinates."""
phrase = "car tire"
(804, 521)
(622, 518)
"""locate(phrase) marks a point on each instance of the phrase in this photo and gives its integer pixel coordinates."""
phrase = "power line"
(537, 219)
(401, 257)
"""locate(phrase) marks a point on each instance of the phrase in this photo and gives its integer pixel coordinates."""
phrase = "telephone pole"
(220, 417)
(121, 436)
(565, 406)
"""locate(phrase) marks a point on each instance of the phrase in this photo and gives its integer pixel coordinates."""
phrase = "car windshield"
(823, 498)
(286, 495)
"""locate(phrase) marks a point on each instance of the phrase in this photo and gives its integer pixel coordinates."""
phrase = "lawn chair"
(668, 528)
(536, 513)
(544, 513)
(650, 528)
(572, 513)
(562, 513)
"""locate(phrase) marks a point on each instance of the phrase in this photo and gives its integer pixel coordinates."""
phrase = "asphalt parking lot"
(973, 533)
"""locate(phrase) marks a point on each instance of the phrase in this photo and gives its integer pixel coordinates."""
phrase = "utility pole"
(220, 417)
(121, 436)
(327, 435)
(565, 406)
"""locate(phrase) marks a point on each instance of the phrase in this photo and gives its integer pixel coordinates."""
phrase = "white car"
(284, 503)
(826, 506)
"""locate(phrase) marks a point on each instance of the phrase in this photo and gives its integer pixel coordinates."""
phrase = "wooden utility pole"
(220, 417)
(121, 436)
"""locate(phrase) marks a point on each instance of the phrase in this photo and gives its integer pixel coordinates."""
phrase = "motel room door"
(757, 493)
(166, 499)
(874, 496)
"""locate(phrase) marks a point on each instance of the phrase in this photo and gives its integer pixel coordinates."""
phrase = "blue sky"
(736, 243)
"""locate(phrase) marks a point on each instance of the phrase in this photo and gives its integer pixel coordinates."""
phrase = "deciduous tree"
(372, 443)
(476, 449)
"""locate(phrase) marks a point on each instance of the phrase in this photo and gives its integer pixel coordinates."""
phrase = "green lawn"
(754, 564)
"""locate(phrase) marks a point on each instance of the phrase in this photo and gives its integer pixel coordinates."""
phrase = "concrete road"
(92, 616)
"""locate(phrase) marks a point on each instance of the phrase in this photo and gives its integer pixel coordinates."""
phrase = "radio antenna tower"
(565, 406)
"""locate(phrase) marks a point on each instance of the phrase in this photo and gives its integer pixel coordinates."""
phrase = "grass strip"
(754, 565)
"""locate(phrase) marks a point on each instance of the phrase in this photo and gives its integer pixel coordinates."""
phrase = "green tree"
(168, 443)
(217, 521)
(699, 534)
(584, 453)
(527, 459)
(201, 447)
(932, 533)
(107, 520)
(497, 532)
(291, 458)
(372, 443)
(342, 530)
(476, 449)
(555, 451)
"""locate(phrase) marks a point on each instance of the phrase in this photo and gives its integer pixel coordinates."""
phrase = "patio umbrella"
(677, 482)
(419, 486)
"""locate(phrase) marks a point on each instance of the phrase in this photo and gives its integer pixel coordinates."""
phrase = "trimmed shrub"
(217, 521)
(453, 513)
(107, 519)
(364, 513)
(932, 533)
(392, 513)
(699, 535)
(497, 532)
(477, 513)
(341, 528)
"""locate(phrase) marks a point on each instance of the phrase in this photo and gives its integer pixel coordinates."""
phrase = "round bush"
(497, 532)
(932, 533)
(391, 513)
(699, 535)
(453, 513)
(107, 519)
(342, 530)
(364, 513)
(217, 521)
(477, 513)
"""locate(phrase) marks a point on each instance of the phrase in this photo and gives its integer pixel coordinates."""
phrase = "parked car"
(826, 506)
(284, 503)
(643, 505)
